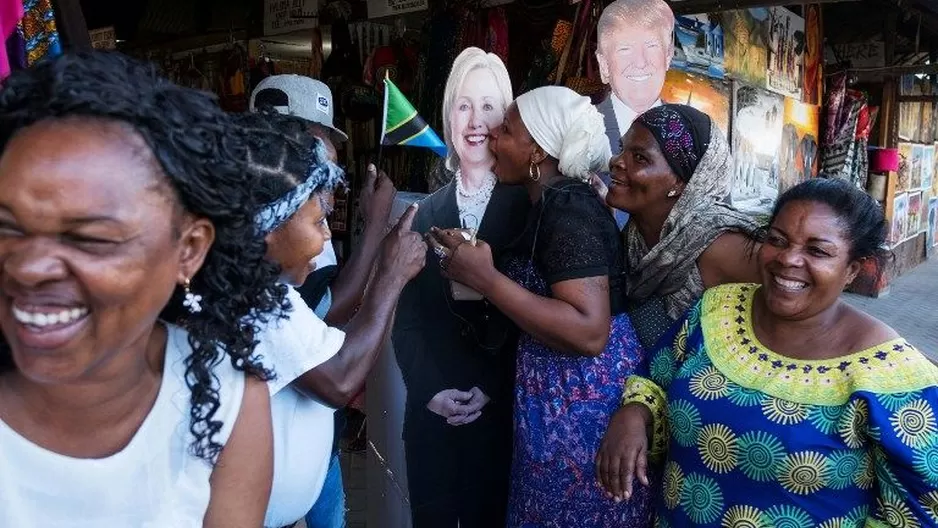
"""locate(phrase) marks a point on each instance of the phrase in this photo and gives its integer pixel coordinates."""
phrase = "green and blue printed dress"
(752, 439)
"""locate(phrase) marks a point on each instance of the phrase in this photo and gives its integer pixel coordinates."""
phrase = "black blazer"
(441, 343)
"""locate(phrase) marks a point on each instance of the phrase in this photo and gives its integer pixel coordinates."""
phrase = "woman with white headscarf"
(562, 287)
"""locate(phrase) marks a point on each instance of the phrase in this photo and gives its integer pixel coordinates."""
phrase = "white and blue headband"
(322, 175)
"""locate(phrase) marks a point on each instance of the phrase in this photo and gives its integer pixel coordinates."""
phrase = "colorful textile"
(39, 32)
(562, 408)
(756, 439)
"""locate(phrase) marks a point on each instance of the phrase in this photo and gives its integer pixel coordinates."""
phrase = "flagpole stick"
(384, 118)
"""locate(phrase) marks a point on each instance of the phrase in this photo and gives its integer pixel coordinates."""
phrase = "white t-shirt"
(152, 483)
(302, 426)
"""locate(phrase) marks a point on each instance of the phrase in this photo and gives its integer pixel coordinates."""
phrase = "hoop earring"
(192, 301)
(534, 171)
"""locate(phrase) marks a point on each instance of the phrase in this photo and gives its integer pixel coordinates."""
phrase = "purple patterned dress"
(563, 403)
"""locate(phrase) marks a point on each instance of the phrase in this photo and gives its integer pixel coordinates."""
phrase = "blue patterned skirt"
(561, 411)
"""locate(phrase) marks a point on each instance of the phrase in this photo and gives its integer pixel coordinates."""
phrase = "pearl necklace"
(481, 195)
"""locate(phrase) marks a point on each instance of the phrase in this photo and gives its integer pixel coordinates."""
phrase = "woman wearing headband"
(124, 215)
(317, 368)
(562, 288)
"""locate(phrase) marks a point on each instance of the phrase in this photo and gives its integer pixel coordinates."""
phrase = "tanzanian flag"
(402, 124)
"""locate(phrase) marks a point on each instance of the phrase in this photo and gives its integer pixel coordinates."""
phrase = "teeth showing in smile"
(44, 319)
(639, 78)
(477, 139)
(790, 284)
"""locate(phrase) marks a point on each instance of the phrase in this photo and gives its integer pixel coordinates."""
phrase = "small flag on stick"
(402, 124)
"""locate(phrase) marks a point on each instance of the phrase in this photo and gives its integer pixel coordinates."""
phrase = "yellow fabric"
(735, 350)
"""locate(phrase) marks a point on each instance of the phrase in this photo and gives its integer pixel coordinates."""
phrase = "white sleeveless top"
(152, 483)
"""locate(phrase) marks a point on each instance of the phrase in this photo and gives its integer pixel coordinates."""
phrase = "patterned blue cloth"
(756, 439)
(562, 408)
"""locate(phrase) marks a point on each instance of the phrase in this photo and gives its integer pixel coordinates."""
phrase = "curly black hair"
(282, 153)
(201, 154)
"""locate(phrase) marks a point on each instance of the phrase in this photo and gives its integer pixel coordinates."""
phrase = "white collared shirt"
(625, 115)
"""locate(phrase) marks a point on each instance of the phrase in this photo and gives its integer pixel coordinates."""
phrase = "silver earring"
(672, 193)
(192, 301)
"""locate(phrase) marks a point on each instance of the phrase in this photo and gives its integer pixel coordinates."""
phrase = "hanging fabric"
(583, 76)
(11, 12)
(71, 24)
(39, 31)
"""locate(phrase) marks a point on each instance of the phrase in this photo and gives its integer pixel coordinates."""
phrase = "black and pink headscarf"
(699, 155)
(682, 132)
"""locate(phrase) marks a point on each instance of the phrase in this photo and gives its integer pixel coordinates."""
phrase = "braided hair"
(282, 153)
(199, 151)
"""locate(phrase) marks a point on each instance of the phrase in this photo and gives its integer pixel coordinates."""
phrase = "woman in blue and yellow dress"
(780, 406)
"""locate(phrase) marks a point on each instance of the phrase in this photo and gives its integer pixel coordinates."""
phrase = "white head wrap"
(568, 127)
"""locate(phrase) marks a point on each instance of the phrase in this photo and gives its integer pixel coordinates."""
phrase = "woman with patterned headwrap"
(673, 178)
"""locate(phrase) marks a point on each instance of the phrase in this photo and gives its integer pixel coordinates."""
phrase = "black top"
(441, 343)
(571, 234)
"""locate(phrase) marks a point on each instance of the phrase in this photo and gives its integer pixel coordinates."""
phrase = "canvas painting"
(904, 181)
(915, 168)
(786, 52)
(813, 80)
(934, 175)
(746, 47)
(916, 214)
(710, 96)
(798, 155)
(931, 239)
(757, 137)
(926, 129)
(699, 45)
(900, 217)
(909, 118)
(928, 167)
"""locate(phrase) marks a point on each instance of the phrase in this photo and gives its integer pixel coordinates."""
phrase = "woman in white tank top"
(124, 210)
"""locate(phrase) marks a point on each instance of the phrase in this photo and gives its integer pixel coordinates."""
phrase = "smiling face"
(478, 109)
(296, 244)
(805, 261)
(93, 243)
(513, 149)
(634, 61)
(641, 176)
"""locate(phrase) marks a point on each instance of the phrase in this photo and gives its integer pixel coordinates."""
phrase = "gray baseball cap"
(300, 96)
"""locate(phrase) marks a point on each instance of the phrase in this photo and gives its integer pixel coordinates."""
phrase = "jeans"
(329, 510)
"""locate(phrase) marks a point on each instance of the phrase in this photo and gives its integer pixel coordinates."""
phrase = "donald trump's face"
(634, 61)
